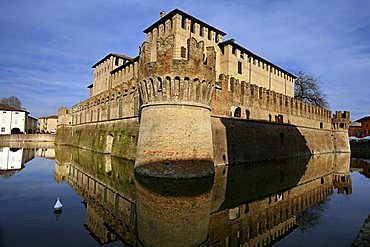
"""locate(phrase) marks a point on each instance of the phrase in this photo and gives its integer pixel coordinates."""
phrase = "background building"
(355, 129)
(48, 124)
(12, 120)
(365, 126)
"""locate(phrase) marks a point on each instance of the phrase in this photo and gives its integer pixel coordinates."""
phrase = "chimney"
(162, 14)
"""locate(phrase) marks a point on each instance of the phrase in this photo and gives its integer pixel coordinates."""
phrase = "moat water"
(309, 201)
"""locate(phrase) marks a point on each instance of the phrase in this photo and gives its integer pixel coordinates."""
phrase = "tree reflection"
(312, 216)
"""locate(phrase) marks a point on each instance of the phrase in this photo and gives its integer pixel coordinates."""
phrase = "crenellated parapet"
(119, 102)
(176, 90)
(264, 104)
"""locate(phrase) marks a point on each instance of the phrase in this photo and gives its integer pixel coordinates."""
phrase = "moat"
(319, 200)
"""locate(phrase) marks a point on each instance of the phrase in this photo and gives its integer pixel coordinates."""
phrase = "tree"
(12, 101)
(307, 88)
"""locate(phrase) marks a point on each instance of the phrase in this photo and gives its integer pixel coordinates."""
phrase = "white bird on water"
(58, 205)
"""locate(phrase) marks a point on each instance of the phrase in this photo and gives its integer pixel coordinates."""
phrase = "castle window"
(321, 125)
(240, 67)
(270, 117)
(247, 114)
(281, 138)
(183, 52)
(280, 118)
(201, 31)
(237, 112)
(209, 34)
(183, 22)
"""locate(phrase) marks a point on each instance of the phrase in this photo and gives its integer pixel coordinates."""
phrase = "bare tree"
(307, 89)
(12, 101)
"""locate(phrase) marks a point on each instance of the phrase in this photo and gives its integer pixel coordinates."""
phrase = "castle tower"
(175, 136)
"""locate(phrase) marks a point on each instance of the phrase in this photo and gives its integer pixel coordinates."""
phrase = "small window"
(16, 112)
(280, 118)
(281, 138)
(209, 34)
(201, 31)
(240, 67)
(183, 22)
(2, 129)
(367, 125)
(248, 114)
(321, 125)
(234, 51)
(192, 27)
(237, 112)
(183, 52)
(116, 62)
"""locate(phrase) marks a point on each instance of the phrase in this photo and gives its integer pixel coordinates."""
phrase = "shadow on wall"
(249, 140)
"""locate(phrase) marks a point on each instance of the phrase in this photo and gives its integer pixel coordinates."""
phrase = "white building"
(12, 120)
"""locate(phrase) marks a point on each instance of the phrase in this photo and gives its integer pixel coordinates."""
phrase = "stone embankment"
(27, 138)
(363, 238)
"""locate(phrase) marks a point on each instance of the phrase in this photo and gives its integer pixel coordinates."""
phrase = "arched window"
(237, 112)
(280, 118)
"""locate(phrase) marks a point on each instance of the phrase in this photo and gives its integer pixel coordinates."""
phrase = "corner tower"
(175, 136)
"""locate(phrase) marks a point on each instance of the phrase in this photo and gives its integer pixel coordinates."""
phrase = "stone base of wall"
(27, 138)
(234, 140)
(116, 137)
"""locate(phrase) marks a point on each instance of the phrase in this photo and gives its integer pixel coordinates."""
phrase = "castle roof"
(110, 55)
(182, 13)
(248, 52)
(125, 65)
(5, 107)
(363, 119)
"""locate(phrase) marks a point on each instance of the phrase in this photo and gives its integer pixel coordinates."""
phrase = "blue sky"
(48, 47)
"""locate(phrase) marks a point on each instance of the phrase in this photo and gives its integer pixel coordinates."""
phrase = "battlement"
(118, 102)
(176, 90)
(263, 104)
(341, 120)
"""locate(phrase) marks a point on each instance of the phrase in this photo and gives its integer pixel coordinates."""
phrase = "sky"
(47, 47)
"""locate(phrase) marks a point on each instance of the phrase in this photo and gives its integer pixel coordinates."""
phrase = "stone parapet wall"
(119, 102)
(264, 104)
(176, 89)
(27, 138)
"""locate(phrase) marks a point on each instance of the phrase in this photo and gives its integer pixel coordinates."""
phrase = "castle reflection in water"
(252, 204)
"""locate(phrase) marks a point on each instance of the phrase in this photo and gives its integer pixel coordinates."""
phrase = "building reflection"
(244, 205)
(14, 159)
(48, 153)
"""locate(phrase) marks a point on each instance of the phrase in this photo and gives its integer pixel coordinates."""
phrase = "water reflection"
(13, 159)
(253, 204)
